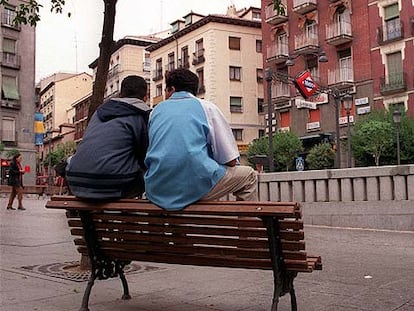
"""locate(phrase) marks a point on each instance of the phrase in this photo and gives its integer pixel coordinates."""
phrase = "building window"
(256, 16)
(261, 133)
(8, 16)
(10, 88)
(158, 70)
(185, 63)
(171, 62)
(395, 69)
(199, 52)
(147, 62)
(234, 43)
(238, 134)
(392, 22)
(8, 130)
(201, 86)
(259, 46)
(260, 105)
(259, 75)
(235, 73)
(158, 90)
(236, 104)
(9, 52)
(285, 119)
(346, 72)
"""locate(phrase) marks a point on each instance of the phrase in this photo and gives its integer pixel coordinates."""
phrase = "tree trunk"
(105, 51)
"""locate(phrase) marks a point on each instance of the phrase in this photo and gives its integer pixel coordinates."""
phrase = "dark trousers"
(16, 191)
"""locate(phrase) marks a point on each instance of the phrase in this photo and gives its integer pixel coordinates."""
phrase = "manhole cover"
(71, 270)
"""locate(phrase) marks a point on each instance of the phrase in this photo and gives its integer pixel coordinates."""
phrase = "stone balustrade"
(369, 197)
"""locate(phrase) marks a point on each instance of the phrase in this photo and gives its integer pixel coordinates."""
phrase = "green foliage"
(321, 156)
(11, 153)
(259, 146)
(372, 138)
(279, 7)
(62, 151)
(28, 13)
(407, 139)
(1, 147)
(287, 146)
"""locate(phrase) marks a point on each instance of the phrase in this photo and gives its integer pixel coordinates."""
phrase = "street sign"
(300, 164)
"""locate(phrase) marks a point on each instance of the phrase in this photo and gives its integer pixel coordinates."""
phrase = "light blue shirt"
(190, 143)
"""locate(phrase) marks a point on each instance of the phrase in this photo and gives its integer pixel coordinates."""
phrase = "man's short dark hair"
(182, 80)
(134, 86)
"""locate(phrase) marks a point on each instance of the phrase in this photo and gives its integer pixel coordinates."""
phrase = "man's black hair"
(182, 80)
(134, 86)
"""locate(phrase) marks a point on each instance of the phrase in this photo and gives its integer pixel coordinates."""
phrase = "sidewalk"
(363, 270)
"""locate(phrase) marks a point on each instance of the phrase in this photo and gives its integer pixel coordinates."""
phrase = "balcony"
(10, 60)
(146, 66)
(113, 72)
(275, 18)
(11, 104)
(390, 32)
(338, 33)
(341, 78)
(157, 99)
(198, 57)
(304, 6)
(169, 67)
(157, 74)
(277, 53)
(280, 95)
(393, 83)
(307, 43)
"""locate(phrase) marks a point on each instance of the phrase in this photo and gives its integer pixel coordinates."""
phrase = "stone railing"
(369, 197)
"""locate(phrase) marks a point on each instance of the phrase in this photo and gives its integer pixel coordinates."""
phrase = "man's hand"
(232, 163)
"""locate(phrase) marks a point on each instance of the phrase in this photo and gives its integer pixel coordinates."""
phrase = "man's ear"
(145, 99)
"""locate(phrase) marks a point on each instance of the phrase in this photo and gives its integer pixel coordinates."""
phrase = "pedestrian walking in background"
(16, 182)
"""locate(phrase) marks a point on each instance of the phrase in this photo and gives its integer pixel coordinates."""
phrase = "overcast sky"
(66, 44)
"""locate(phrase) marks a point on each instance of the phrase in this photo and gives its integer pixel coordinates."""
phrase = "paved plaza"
(362, 270)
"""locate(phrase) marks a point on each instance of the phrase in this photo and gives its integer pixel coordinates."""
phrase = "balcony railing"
(273, 17)
(307, 42)
(390, 32)
(113, 71)
(304, 6)
(278, 52)
(146, 66)
(280, 94)
(157, 74)
(393, 83)
(198, 57)
(10, 60)
(344, 76)
(339, 33)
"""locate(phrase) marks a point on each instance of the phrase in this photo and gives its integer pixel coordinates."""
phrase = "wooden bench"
(251, 235)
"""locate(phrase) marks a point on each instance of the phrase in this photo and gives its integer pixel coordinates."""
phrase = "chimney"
(231, 10)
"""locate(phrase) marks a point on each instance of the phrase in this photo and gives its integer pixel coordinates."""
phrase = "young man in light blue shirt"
(192, 153)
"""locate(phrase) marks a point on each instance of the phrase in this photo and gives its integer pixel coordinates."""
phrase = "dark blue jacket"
(109, 162)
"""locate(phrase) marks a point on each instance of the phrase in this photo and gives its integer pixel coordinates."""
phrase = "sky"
(70, 44)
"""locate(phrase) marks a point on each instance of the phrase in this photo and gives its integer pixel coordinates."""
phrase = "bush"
(320, 157)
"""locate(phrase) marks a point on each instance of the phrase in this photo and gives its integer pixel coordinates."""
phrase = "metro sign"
(305, 84)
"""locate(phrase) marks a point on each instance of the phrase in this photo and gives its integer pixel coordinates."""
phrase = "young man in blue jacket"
(109, 162)
(192, 153)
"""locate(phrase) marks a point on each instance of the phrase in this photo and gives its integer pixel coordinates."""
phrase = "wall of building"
(371, 197)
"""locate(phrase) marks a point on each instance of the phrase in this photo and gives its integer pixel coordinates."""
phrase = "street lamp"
(49, 135)
(322, 58)
(397, 120)
(347, 101)
(268, 77)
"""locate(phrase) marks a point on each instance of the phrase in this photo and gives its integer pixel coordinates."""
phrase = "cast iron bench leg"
(126, 294)
(293, 302)
(85, 299)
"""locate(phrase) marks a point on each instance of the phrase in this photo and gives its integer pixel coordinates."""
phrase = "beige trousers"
(239, 180)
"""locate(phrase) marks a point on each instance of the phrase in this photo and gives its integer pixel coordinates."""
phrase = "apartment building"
(392, 48)
(17, 74)
(128, 58)
(365, 46)
(225, 51)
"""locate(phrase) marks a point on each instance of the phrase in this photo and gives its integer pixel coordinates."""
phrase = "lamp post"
(49, 135)
(347, 101)
(397, 120)
(337, 133)
(268, 77)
